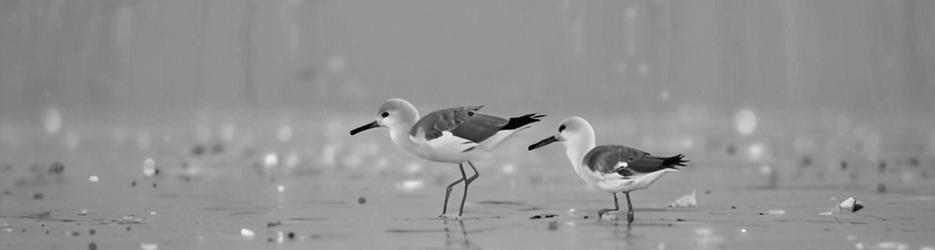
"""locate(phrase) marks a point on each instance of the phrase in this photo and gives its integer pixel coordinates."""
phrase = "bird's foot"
(449, 216)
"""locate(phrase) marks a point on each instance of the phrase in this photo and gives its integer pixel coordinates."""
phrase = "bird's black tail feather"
(673, 161)
(519, 122)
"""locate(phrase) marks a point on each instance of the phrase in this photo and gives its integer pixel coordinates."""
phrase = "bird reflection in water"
(453, 241)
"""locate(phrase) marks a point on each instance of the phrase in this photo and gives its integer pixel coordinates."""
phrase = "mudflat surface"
(236, 188)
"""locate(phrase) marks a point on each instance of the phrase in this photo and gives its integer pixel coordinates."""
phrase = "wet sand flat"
(231, 196)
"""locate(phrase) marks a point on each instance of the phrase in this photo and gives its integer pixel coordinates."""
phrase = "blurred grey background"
(122, 60)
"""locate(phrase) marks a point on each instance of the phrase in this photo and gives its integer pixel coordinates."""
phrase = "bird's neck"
(400, 135)
(576, 151)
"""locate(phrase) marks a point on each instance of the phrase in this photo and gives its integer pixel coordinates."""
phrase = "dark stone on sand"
(38, 196)
(761, 213)
(914, 162)
(536, 217)
(128, 228)
(291, 235)
(707, 192)
(154, 185)
(156, 172)
(731, 150)
(679, 219)
(553, 225)
(269, 239)
(273, 224)
(857, 207)
(882, 167)
(75, 233)
(57, 167)
(217, 148)
(92, 231)
(198, 150)
(733, 207)
(806, 161)
(133, 183)
(361, 200)
(46, 231)
(92, 246)
(586, 217)
(843, 165)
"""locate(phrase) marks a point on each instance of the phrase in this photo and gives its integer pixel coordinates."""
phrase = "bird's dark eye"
(561, 128)
(385, 114)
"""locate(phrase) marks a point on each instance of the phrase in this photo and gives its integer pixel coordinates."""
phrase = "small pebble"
(38, 196)
(291, 235)
(92, 231)
(217, 148)
(92, 246)
(273, 224)
(843, 165)
(57, 168)
(553, 225)
(913, 161)
(733, 207)
(707, 192)
(679, 219)
(46, 231)
(75, 233)
(198, 150)
(586, 217)
(154, 185)
(361, 200)
(133, 183)
(149, 167)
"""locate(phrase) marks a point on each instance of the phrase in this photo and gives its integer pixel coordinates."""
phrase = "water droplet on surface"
(284, 133)
(149, 167)
(247, 233)
(409, 185)
(745, 121)
(52, 120)
(270, 160)
(149, 246)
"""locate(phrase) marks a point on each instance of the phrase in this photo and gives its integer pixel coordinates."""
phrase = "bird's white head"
(394, 113)
(574, 132)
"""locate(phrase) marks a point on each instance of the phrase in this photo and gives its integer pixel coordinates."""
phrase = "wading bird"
(454, 135)
(612, 168)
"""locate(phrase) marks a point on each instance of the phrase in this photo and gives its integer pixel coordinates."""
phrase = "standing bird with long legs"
(612, 168)
(454, 135)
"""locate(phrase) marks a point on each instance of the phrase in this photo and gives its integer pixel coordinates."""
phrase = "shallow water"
(364, 193)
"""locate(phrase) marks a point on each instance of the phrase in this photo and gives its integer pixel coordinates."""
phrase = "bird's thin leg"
(448, 192)
(476, 174)
(603, 211)
(467, 182)
(630, 209)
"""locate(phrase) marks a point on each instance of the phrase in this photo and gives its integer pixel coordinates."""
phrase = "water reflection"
(454, 241)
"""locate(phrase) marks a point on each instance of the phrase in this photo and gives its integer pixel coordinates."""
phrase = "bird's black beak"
(543, 142)
(371, 125)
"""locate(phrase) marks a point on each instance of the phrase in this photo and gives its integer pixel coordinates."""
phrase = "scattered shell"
(687, 201)
(149, 167)
(83, 212)
(851, 204)
(149, 246)
(247, 233)
(94, 178)
(361, 200)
